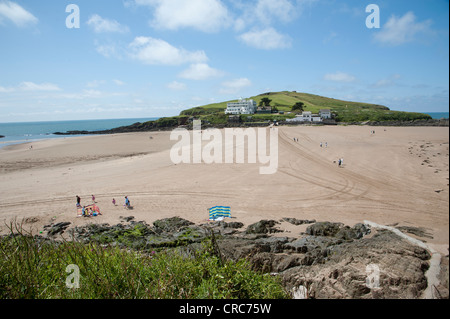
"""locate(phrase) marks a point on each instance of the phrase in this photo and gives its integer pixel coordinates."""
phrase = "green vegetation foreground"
(35, 268)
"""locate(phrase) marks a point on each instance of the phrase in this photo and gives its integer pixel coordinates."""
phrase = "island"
(283, 108)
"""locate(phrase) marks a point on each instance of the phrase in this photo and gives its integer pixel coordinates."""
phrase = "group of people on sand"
(79, 200)
(127, 202)
(126, 205)
(90, 211)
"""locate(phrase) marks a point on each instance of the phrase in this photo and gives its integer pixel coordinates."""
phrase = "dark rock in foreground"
(347, 266)
(331, 260)
(338, 230)
(57, 229)
(263, 227)
(297, 222)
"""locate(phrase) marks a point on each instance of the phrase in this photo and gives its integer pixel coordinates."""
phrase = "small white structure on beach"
(241, 107)
(325, 114)
(305, 117)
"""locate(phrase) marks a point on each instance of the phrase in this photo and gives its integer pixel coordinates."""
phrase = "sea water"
(16, 133)
(438, 115)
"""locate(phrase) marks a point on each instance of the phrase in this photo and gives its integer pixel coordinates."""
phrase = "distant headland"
(283, 108)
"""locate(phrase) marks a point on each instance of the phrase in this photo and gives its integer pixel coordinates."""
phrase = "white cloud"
(204, 15)
(5, 90)
(267, 39)
(108, 50)
(15, 13)
(118, 82)
(176, 86)
(101, 25)
(387, 82)
(158, 52)
(95, 83)
(402, 30)
(267, 10)
(30, 86)
(339, 77)
(234, 86)
(91, 94)
(200, 71)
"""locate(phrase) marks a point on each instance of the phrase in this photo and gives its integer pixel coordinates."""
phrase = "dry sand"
(398, 176)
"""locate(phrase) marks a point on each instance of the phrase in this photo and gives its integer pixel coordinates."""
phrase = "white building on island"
(305, 117)
(325, 114)
(241, 107)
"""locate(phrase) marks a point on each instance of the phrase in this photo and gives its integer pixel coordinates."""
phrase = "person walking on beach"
(114, 202)
(93, 199)
(78, 201)
(339, 162)
(127, 202)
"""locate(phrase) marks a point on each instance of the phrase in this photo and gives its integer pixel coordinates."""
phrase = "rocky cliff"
(328, 261)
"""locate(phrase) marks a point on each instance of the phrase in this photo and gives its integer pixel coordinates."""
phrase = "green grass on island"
(283, 106)
(344, 111)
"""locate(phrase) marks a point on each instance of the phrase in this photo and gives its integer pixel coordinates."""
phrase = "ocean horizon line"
(85, 120)
(24, 132)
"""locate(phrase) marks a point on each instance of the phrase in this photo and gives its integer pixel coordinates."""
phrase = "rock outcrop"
(329, 260)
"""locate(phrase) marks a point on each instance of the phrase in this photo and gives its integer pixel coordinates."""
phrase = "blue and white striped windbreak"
(219, 211)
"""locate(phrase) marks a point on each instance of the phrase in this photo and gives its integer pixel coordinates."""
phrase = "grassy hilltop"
(282, 103)
(344, 111)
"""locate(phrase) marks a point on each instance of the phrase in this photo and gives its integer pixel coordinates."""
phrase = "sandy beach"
(397, 176)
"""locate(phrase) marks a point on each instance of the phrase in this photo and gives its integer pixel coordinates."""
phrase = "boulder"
(297, 222)
(348, 266)
(173, 224)
(57, 228)
(263, 227)
(338, 230)
(324, 229)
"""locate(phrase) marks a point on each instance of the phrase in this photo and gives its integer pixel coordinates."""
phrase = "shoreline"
(137, 128)
(146, 127)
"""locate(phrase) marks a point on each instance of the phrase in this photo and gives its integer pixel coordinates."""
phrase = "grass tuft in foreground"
(33, 267)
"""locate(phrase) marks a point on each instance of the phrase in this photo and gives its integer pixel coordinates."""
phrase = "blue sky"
(154, 58)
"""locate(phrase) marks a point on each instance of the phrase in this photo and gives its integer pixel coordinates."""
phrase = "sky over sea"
(104, 59)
